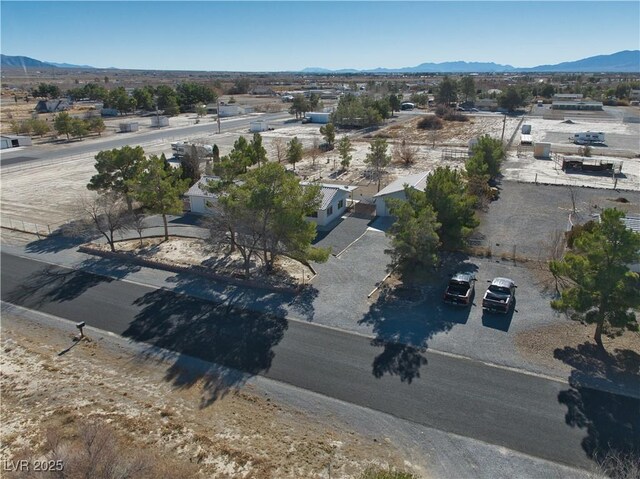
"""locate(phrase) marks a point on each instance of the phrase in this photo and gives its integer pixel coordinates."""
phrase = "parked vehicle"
(407, 106)
(460, 289)
(588, 138)
(500, 296)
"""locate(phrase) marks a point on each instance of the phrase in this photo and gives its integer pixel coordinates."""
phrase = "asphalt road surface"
(522, 412)
(36, 153)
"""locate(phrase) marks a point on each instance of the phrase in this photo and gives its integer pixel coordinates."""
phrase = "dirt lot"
(196, 252)
(22, 196)
(244, 434)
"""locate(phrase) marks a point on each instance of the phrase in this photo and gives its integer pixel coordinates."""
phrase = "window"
(330, 211)
(340, 204)
(314, 214)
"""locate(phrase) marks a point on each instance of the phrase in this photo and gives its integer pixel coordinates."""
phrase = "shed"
(158, 121)
(258, 126)
(128, 127)
(395, 189)
(333, 204)
(542, 150)
(14, 141)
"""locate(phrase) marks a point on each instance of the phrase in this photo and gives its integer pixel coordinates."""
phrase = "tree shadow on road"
(67, 236)
(604, 400)
(56, 284)
(217, 345)
(405, 318)
(260, 300)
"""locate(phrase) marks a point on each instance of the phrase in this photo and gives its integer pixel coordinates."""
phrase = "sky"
(284, 36)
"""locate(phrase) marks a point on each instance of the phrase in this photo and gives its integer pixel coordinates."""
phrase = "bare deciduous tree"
(136, 222)
(280, 148)
(106, 214)
(314, 151)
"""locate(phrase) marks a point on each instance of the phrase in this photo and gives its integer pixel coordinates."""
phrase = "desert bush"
(96, 451)
(430, 122)
(577, 230)
(374, 472)
(441, 110)
(455, 116)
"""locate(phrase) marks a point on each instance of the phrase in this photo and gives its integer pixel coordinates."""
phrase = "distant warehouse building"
(576, 105)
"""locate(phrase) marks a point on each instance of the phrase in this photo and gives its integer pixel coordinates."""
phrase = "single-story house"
(333, 204)
(201, 200)
(53, 106)
(576, 105)
(13, 141)
(633, 223)
(417, 181)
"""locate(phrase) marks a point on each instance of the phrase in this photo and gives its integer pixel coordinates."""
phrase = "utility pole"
(218, 112)
(504, 124)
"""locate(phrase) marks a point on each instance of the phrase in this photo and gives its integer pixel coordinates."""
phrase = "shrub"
(430, 122)
(455, 116)
(577, 230)
(380, 473)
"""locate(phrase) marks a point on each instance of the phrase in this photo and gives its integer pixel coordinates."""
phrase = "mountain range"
(627, 61)
(27, 62)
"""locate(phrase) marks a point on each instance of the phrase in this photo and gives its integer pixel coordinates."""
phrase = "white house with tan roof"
(333, 203)
(417, 181)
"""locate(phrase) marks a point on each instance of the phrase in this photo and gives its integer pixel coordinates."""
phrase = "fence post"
(48, 228)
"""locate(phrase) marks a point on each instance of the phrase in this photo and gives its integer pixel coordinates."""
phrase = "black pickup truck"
(460, 289)
(500, 297)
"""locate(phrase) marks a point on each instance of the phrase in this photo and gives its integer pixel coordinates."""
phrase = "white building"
(201, 201)
(13, 141)
(417, 181)
(158, 121)
(318, 116)
(129, 127)
(333, 205)
(258, 126)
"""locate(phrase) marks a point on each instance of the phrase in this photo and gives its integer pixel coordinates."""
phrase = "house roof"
(417, 181)
(632, 222)
(329, 191)
(196, 190)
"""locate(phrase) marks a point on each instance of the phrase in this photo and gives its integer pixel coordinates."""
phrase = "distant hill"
(627, 61)
(27, 62)
(9, 61)
(68, 65)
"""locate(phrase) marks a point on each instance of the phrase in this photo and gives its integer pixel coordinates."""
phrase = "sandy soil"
(190, 252)
(22, 188)
(244, 434)
(538, 345)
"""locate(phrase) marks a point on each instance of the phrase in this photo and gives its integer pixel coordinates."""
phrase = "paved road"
(86, 147)
(522, 412)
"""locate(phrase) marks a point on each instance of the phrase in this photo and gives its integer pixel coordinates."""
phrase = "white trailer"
(588, 138)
